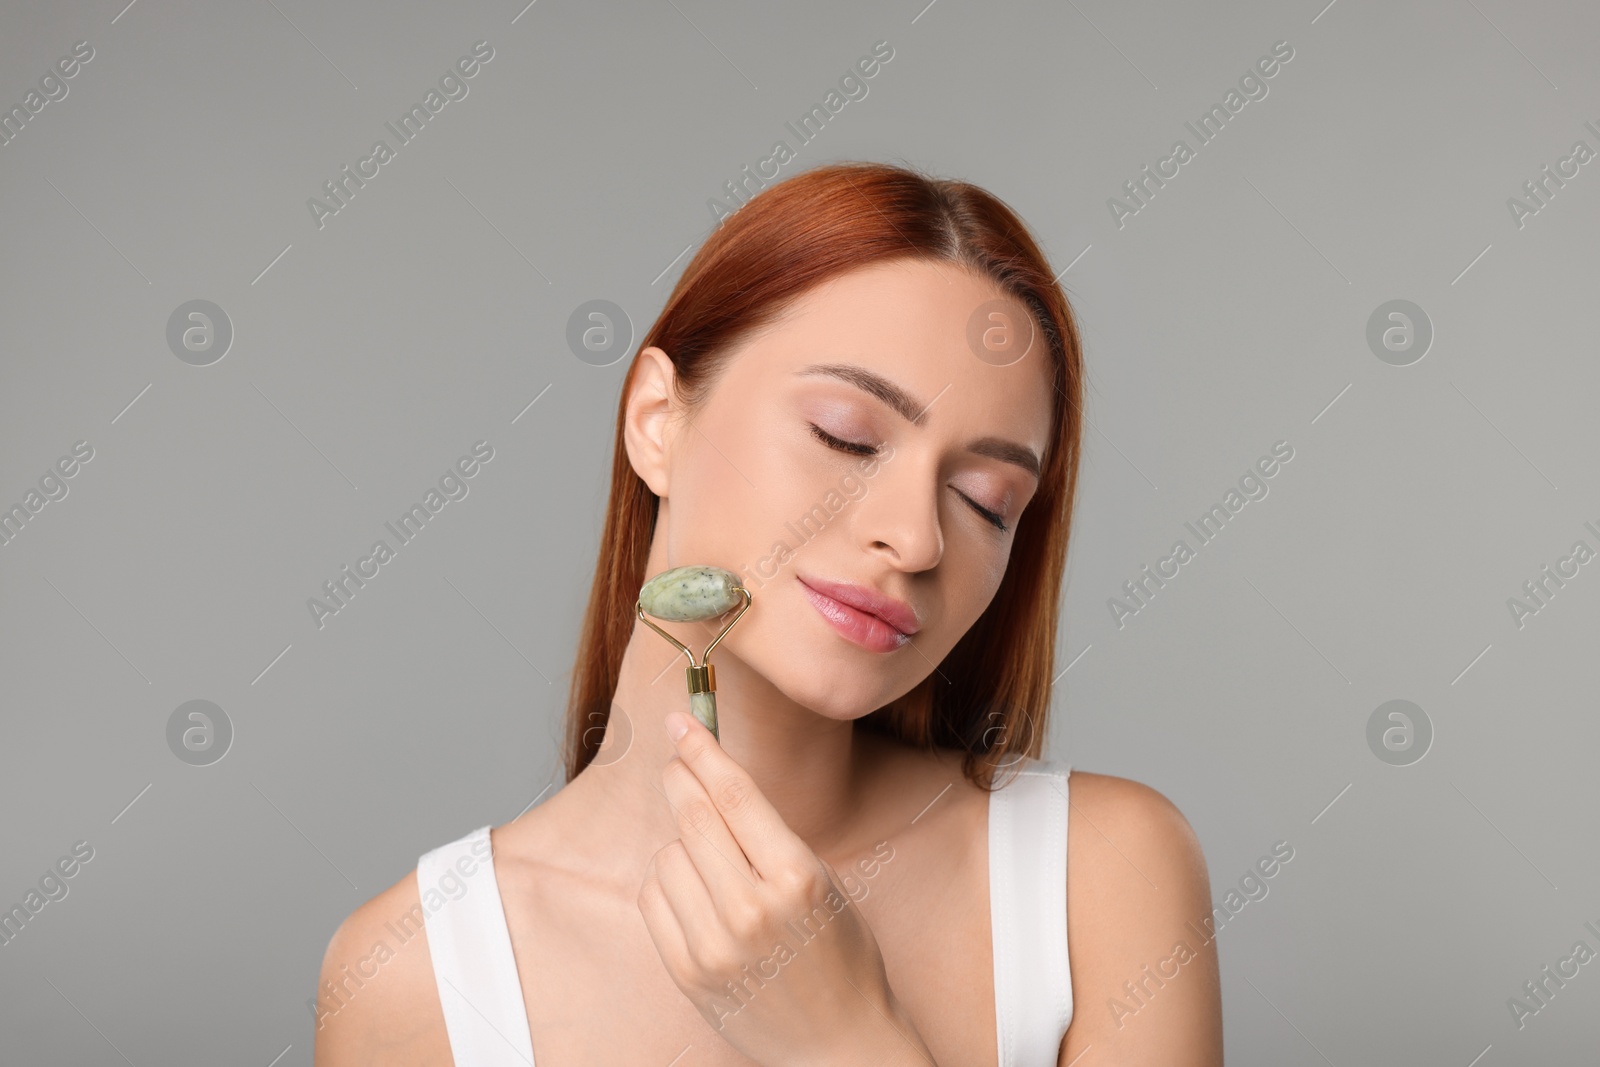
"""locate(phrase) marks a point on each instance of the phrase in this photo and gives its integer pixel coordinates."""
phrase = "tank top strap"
(1028, 912)
(473, 965)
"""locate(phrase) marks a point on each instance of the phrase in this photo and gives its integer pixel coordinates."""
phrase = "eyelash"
(857, 449)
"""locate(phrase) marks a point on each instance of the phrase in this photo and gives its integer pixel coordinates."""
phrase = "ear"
(650, 418)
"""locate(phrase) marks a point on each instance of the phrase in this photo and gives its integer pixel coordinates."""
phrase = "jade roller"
(691, 594)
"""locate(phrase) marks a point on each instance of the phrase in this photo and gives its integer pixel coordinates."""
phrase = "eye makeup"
(857, 448)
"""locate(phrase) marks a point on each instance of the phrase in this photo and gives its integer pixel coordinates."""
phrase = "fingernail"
(677, 725)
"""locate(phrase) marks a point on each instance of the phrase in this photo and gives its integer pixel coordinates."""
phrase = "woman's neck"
(814, 770)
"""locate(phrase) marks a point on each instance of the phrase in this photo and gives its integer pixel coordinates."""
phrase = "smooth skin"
(631, 890)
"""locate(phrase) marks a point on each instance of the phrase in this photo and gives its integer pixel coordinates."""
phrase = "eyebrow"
(915, 412)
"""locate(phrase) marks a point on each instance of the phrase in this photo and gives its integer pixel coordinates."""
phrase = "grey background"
(1229, 313)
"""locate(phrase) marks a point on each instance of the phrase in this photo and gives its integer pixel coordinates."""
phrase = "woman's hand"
(753, 928)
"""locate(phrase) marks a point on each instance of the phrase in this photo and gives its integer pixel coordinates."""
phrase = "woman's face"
(862, 441)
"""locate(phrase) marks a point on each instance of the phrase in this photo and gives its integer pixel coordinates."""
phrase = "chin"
(823, 676)
(841, 702)
(837, 680)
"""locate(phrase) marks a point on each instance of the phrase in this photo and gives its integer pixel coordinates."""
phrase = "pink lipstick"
(862, 616)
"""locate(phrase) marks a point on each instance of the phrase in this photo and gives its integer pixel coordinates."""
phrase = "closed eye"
(852, 447)
(856, 448)
(994, 518)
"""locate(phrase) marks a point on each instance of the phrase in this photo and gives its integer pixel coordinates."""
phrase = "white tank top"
(481, 994)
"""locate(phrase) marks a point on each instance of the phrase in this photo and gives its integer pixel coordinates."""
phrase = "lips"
(864, 616)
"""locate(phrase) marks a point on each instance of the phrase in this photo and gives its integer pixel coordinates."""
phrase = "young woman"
(863, 398)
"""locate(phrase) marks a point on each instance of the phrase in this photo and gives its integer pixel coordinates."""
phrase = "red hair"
(990, 697)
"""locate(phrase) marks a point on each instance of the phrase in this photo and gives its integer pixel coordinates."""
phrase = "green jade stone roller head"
(693, 594)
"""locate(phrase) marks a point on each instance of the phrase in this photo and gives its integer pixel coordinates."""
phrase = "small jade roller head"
(694, 594)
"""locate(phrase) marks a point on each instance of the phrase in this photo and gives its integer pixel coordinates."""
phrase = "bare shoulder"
(1143, 962)
(1136, 817)
(377, 1000)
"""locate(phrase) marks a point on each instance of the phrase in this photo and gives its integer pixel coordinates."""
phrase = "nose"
(900, 514)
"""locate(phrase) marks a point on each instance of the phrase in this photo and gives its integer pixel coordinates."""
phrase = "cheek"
(734, 497)
(970, 581)
(975, 568)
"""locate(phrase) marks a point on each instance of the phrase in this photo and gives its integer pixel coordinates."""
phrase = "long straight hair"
(990, 697)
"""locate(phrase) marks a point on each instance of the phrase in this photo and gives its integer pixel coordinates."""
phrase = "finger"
(662, 924)
(704, 935)
(766, 840)
(705, 834)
